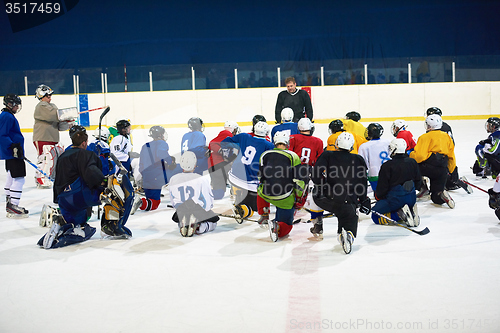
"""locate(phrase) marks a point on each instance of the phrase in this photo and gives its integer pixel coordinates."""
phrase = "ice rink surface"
(235, 279)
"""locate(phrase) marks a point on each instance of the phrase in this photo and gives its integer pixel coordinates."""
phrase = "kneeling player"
(192, 197)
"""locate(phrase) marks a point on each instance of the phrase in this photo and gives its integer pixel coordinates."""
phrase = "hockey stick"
(86, 111)
(38, 169)
(466, 182)
(104, 113)
(118, 164)
(422, 232)
(234, 217)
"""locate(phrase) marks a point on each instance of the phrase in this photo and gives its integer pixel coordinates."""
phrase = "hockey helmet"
(42, 91)
(286, 115)
(188, 161)
(374, 131)
(158, 132)
(345, 141)
(433, 122)
(398, 125)
(353, 115)
(304, 124)
(122, 125)
(433, 110)
(335, 126)
(104, 134)
(75, 129)
(397, 146)
(258, 118)
(196, 124)
(281, 137)
(261, 129)
(492, 124)
(232, 127)
(11, 101)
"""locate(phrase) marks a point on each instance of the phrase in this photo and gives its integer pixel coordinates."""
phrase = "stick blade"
(104, 113)
(423, 232)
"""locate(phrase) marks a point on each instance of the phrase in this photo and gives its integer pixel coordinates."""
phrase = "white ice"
(236, 280)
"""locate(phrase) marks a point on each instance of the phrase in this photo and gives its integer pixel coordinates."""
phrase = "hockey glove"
(172, 166)
(17, 150)
(208, 152)
(494, 201)
(483, 142)
(365, 206)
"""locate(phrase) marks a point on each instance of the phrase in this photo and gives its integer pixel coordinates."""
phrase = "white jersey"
(190, 185)
(120, 146)
(375, 152)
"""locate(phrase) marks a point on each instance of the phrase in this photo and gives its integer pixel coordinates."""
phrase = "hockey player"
(435, 156)
(400, 130)
(281, 184)
(375, 152)
(296, 99)
(335, 128)
(12, 151)
(255, 120)
(101, 148)
(46, 134)
(156, 166)
(352, 124)
(243, 175)
(286, 123)
(308, 148)
(397, 180)
(488, 150)
(219, 162)
(342, 187)
(78, 185)
(121, 146)
(192, 197)
(196, 142)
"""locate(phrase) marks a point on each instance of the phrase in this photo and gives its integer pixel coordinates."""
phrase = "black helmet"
(75, 129)
(336, 126)
(353, 115)
(11, 101)
(258, 118)
(434, 110)
(157, 132)
(121, 125)
(374, 131)
(195, 124)
(492, 124)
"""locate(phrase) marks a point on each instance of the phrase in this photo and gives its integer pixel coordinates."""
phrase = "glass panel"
(175, 77)
(12, 82)
(344, 71)
(390, 70)
(90, 80)
(477, 68)
(59, 80)
(431, 69)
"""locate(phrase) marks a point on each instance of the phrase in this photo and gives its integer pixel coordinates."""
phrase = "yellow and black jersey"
(437, 142)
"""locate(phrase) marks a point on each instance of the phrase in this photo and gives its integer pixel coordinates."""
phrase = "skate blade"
(110, 237)
(318, 236)
(16, 216)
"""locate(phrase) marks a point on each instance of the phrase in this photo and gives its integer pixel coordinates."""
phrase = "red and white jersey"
(267, 136)
(308, 147)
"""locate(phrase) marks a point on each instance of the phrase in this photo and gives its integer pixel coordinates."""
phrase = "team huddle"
(356, 171)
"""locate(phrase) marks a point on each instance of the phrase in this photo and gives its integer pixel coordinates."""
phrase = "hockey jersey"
(190, 185)
(214, 146)
(435, 141)
(493, 148)
(352, 126)
(375, 152)
(102, 150)
(358, 141)
(408, 137)
(245, 169)
(307, 147)
(10, 133)
(151, 164)
(121, 146)
(290, 128)
(196, 142)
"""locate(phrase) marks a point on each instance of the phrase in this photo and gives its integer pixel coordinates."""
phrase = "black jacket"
(299, 102)
(396, 172)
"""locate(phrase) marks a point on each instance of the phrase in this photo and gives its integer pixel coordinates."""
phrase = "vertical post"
(322, 76)
(366, 74)
(26, 85)
(453, 71)
(125, 74)
(78, 84)
(193, 79)
(74, 84)
(150, 81)
(105, 83)
(102, 82)
(236, 78)
(279, 77)
(409, 72)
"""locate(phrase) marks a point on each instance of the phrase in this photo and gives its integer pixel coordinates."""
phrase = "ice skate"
(48, 215)
(188, 225)
(405, 214)
(424, 190)
(264, 218)
(317, 228)
(447, 199)
(416, 218)
(273, 230)
(51, 236)
(137, 203)
(464, 184)
(346, 238)
(110, 230)
(241, 212)
(15, 211)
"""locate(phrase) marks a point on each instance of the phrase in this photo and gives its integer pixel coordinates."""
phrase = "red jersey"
(308, 147)
(267, 136)
(408, 137)
(214, 146)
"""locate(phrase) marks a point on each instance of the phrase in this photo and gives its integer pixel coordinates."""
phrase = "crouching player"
(395, 193)
(192, 197)
(281, 184)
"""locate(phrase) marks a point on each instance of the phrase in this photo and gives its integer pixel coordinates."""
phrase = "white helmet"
(231, 126)
(104, 133)
(345, 141)
(188, 161)
(287, 115)
(398, 125)
(261, 129)
(43, 90)
(281, 137)
(433, 122)
(304, 124)
(397, 146)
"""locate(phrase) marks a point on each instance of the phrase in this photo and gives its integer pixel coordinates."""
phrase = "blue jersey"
(494, 147)
(10, 133)
(290, 128)
(151, 164)
(245, 169)
(196, 142)
(102, 150)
